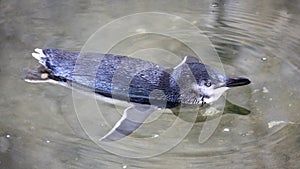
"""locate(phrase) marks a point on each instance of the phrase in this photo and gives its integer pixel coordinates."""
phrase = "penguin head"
(210, 83)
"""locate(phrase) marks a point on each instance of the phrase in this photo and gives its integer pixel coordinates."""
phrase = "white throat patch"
(214, 94)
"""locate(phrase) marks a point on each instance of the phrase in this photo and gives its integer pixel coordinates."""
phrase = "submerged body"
(133, 80)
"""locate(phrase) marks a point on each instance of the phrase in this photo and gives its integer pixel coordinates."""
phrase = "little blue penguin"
(148, 86)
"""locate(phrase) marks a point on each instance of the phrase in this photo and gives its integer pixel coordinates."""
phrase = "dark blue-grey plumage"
(116, 76)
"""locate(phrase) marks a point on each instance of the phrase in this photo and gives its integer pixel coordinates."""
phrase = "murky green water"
(258, 39)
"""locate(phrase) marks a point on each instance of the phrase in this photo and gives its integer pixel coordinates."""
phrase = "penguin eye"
(207, 83)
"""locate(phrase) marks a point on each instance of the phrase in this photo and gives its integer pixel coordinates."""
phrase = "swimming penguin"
(148, 86)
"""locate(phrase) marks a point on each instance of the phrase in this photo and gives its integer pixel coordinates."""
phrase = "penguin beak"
(234, 82)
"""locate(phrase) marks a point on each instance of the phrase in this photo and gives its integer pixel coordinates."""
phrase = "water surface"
(258, 39)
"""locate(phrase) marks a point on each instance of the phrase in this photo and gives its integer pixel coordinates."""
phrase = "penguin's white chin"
(214, 94)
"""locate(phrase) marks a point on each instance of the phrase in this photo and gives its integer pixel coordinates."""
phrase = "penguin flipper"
(132, 118)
